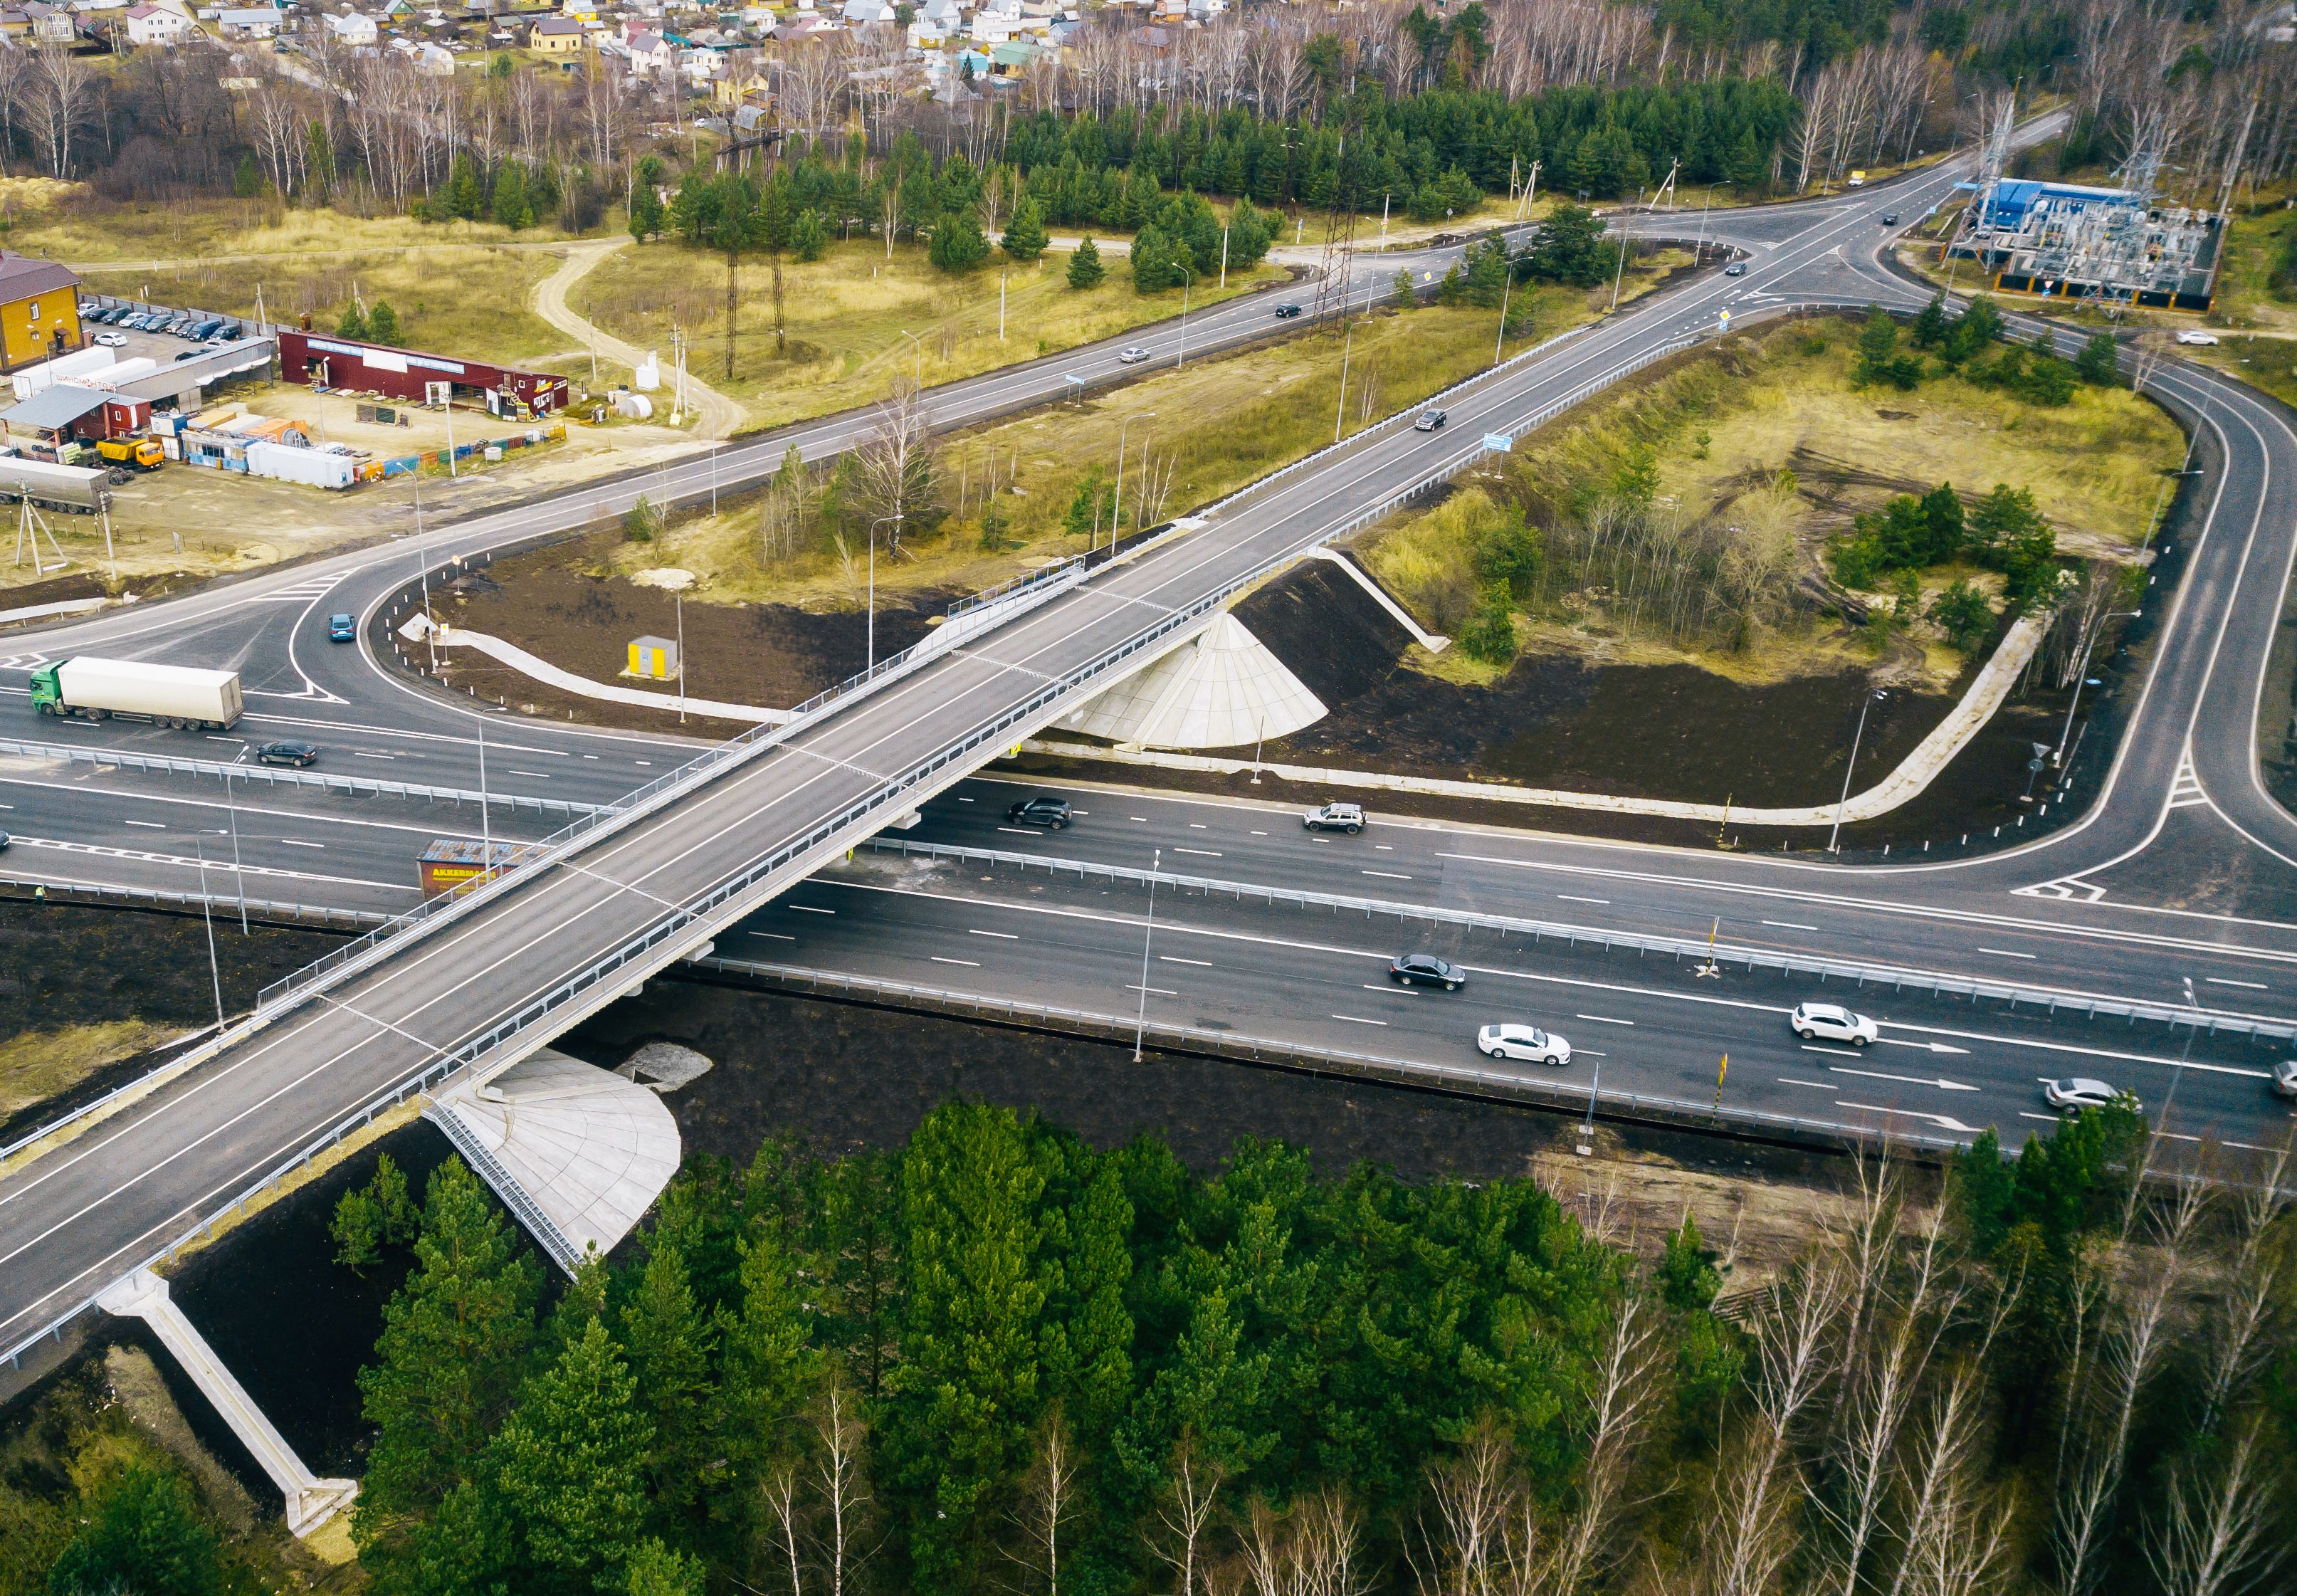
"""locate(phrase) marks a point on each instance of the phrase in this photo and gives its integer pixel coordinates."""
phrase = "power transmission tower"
(1338, 262)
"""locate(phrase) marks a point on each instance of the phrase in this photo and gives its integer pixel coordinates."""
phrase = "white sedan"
(1132, 355)
(2195, 335)
(1834, 1023)
(1526, 1043)
(110, 341)
(2078, 1092)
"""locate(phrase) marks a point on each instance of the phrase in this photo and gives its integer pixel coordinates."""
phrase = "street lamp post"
(872, 656)
(239, 878)
(1140, 1020)
(1699, 251)
(1868, 702)
(2082, 671)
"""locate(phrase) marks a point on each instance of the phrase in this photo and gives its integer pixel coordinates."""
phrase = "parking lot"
(128, 341)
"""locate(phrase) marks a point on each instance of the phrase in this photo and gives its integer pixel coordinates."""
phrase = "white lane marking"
(1175, 959)
(1568, 897)
(1002, 936)
(1388, 874)
(2255, 986)
(1154, 991)
(1197, 825)
(1015, 831)
(1358, 1020)
(1789, 924)
(1927, 1047)
(1940, 1082)
(1943, 1122)
(2005, 953)
(535, 775)
(1199, 852)
(1260, 834)
(808, 908)
(147, 825)
(1790, 1081)
(1393, 989)
(1143, 819)
(1843, 1052)
(971, 964)
(1385, 847)
(1602, 1019)
(212, 737)
(771, 936)
(299, 843)
(215, 867)
(356, 754)
(2047, 1119)
(1182, 927)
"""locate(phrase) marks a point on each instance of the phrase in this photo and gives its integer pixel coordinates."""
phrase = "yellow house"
(557, 35)
(752, 90)
(39, 310)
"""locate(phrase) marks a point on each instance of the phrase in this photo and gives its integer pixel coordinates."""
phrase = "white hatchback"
(2196, 336)
(1834, 1023)
(1527, 1043)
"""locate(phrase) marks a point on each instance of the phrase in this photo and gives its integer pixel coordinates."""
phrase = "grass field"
(36, 1065)
(1722, 426)
(1207, 428)
(847, 314)
(67, 223)
(461, 299)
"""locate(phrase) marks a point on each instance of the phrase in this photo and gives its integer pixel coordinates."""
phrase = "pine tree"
(451, 1352)
(672, 1346)
(510, 208)
(809, 235)
(957, 243)
(318, 162)
(1085, 271)
(1155, 268)
(768, 1362)
(655, 1570)
(1024, 235)
(570, 1463)
(383, 324)
(646, 217)
(353, 325)
(146, 1536)
(463, 198)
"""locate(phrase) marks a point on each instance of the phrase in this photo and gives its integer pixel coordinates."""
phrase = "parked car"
(1044, 809)
(177, 325)
(341, 628)
(1132, 355)
(2078, 1092)
(1425, 970)
(1889, 219)
(2195, 335)
(1287, 311)
(87, 309)
(1834, 1023)
(1737, 268)
(1335, 816)
(110, 341)
(297, 754)
(1527, 1044)
(2285, 1077)
(206, 329)
(1430, 421)
(192, 354)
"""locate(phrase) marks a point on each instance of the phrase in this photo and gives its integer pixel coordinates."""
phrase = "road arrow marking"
(1941, 1082)
(1935, 1047)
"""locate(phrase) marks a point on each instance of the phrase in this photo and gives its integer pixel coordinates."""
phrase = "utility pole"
(1001, 306)
(485, 821)
(1621, 274)
(238, 877)
(679, 599)
(1223, 280)
(215, 971)
(1140, 1020)
(1499, 340)
(1869, 701)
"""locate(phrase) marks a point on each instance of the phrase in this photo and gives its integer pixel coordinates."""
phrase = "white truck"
(94, 689)
(76, 488)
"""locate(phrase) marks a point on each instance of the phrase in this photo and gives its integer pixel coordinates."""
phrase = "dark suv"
(1425, 970)
(1285, 312)
(1044, 809)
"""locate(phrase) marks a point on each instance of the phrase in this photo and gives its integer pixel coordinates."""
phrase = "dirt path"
(716, 416)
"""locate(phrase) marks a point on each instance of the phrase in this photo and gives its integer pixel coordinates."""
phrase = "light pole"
(1188, 285)
(1140, 1020)
(1621, 275)
(1699, 252)
(896, 519)
(1116, 517)
(2081, 670)
(920, 342)
(238, 878)
(1868, 702)
(214, 972)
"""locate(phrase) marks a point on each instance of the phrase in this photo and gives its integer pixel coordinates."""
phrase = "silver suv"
(1336, 817)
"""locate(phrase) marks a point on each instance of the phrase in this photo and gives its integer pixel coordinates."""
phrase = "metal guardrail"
(515, 1197)
(129, 761)
(1244, 1048)
(323, 917)
(1897, 978)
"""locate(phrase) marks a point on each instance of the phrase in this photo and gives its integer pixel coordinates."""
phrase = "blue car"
(342, 629)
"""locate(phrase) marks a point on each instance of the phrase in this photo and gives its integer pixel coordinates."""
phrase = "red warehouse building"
(327, 362)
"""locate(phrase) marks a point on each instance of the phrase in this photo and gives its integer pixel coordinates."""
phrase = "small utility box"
(654, 658)
(450, 863)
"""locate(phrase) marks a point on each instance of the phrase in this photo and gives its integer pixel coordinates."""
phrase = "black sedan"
(297, 754)
(1044, 809)
(1425, 970)
(1285, 312)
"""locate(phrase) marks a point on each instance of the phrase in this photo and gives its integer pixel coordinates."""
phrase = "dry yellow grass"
(849, 315)
(89, 232)
(36, 1065)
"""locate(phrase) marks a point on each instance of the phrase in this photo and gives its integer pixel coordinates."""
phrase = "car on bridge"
(1834, 1023)
(1044, 809)
(2077, 1092)
(1425, 970)
(1526, 1044)
(1131, 354)
(1287, 311)
(341, 628)
(288, 752)
(1335, 816)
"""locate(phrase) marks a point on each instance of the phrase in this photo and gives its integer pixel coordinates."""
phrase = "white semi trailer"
(94, 689)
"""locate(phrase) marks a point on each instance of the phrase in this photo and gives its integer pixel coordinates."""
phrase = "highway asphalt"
(568, 936)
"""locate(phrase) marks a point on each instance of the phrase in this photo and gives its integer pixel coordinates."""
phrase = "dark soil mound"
(1328, 629)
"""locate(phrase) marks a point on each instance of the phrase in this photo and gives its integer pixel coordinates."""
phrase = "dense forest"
(999, 1360)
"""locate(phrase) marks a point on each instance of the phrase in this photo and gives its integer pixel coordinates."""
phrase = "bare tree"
(2219, 1535)
(1049, 1500)
(839, 1438)
(784, 1520)
(1473, 1493)
(1187, 1514)
(895, 463)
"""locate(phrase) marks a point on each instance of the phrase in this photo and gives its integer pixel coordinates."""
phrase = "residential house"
(743, 88)
(352, 28)
(52, 24)
(556, 35)
(154, 25)
(39, 309)
(861, 14)
(434, 60)
(649, 52)
(249, 21)
(14, 24)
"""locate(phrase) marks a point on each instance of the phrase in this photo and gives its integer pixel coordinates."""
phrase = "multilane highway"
(567, 936)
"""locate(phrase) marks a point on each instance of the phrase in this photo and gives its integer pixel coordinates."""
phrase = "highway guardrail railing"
(1245, 1048)
(128, 760)
(1897, 977)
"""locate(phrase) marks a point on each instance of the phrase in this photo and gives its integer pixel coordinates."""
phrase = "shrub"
(958, 245)
(1963, 614)
(1489, 636)
(1024, 235)
(1085, 270)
